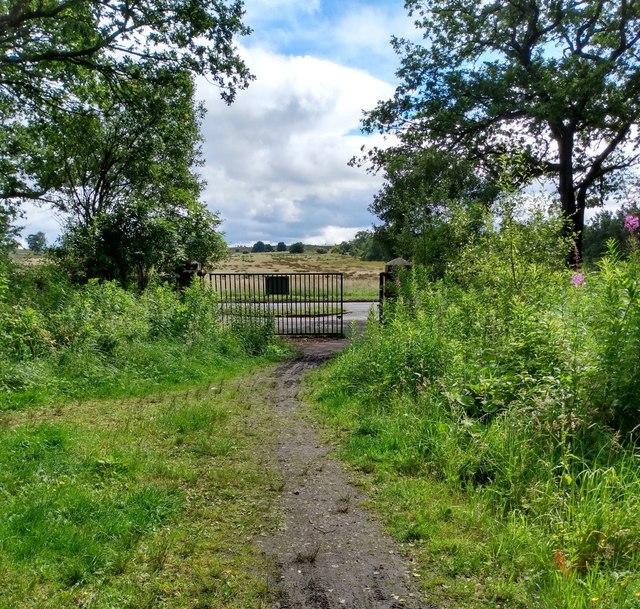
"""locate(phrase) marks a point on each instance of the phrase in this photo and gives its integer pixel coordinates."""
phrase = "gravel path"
(331, 554)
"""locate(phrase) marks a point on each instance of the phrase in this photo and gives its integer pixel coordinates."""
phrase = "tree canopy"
(37, 242)
(124, 176)
(98, 119)
(554, 82)
(48, 46)
(59, 56)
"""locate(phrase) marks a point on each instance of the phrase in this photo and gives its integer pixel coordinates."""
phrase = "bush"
(296, 248)
(518, 380)
(100, 339)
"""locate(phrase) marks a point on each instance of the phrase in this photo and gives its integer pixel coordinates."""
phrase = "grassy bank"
(62, 342)
(493, 418)
(132, 469)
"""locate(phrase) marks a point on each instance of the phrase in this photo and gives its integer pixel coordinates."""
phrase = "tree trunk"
(572, 207)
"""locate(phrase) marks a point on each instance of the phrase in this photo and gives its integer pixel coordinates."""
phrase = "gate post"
(385, 292)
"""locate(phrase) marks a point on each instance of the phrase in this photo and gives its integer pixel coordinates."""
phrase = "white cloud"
(352, 32)
(330, 235)
(277, 158)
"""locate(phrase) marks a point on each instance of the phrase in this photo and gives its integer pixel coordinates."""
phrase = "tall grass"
(516, 384)
(60, 342)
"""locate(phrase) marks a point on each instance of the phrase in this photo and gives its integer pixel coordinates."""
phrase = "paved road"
(358, 311)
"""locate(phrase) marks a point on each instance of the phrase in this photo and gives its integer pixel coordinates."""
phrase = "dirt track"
(331, 553)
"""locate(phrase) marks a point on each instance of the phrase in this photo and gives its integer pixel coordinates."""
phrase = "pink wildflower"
(397, 283)
(631, 223)
(577, 279)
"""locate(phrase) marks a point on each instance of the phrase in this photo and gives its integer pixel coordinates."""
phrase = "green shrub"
(517, 381)
(100, 339)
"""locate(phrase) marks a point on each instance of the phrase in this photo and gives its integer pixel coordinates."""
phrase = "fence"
(298, 303)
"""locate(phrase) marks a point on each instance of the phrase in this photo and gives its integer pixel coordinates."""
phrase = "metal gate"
(298, 303)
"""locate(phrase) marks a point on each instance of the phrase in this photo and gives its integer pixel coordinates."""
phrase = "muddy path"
(331, 553)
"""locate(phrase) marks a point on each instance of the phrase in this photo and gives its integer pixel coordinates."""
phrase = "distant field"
(360, 277)
(27, 257)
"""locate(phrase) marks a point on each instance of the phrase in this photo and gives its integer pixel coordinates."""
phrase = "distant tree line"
(260, 247)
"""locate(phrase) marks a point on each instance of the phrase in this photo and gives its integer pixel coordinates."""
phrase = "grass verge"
(136, 503)
(468, 554)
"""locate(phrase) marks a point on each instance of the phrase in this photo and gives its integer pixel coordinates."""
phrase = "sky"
(276, 159)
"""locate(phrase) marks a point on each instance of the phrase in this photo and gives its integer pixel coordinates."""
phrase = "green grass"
(142, 502)
(573, 547)
(137, 370)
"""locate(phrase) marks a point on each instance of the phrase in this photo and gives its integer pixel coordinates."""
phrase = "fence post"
(386, 292)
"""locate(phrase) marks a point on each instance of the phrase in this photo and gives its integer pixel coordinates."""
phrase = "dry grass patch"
(360, 277)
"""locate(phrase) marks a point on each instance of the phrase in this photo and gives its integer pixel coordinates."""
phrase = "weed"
(494, 411)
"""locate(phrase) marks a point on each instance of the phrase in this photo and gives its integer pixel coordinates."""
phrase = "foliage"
(120, 151)
(37, 242)
(47, 49)
(281, 247)
(606, 225)
(127, 185)
(296, 248)
(258, 247)
(130, 243)
(367, 245)
(525, 79)
(59, 341)
(75, 82)
(513, 382)
(421, 194)
(8, 231)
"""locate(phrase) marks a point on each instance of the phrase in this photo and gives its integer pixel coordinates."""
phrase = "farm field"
(360, 277)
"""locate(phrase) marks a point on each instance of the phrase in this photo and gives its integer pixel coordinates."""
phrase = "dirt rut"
(331, 553)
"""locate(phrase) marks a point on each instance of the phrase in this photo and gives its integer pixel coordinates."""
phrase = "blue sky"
(276, 160)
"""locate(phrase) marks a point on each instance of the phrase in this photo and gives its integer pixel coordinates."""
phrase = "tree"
(281, 247)
(258, 247)
(421, 193)
(46, 48)
(124, 175)
(268, 247)
(552, 82)
(55, 54)
(94, 161)
(606, 225)
(296, 248)
(130, 242)
(8, 231)
(37, 242)
(367, 245)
